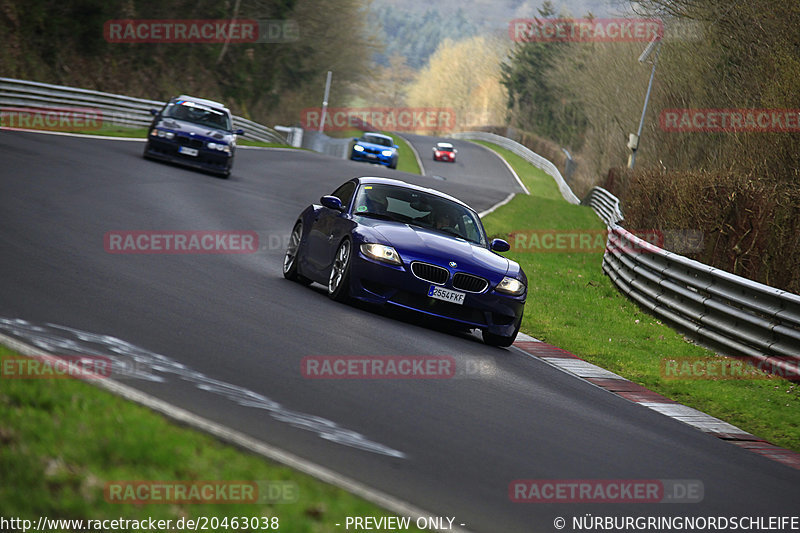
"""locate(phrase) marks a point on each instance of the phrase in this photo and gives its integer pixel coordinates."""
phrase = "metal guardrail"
(527, 154)
(114, 109)
(742, 316)
(746, 318)
(319, 142)
(605, 204)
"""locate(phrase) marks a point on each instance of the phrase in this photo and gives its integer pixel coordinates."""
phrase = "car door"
(328, 229)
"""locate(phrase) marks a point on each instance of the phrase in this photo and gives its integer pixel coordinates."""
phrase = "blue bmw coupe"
(375, 148)
(388, 242)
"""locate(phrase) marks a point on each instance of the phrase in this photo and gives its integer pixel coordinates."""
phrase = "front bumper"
(379, 283)
(210, 160)
(371, 157)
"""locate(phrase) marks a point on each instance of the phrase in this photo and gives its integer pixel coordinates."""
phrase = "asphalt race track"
(223, 336)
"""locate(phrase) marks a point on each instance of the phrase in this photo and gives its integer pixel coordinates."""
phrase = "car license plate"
(440, 293)
(371, 156)
(187, 151)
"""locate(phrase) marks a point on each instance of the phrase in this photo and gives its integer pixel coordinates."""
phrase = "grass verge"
(573, 305)
(406, 162)
(62, 441)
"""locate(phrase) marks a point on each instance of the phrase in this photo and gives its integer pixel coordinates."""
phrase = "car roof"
(445, 145)
(203, 101)
(399, 183)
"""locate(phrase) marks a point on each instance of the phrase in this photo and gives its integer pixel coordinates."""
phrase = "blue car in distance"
(194, 132)
(387, 242)
(375, 148)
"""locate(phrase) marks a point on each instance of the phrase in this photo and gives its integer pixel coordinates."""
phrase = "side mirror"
(395, 146)
(239, 131)
(332, 202)
(499, 245)
(355, 139)
(153, 112)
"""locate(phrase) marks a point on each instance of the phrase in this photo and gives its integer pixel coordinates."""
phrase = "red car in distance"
(444, 152)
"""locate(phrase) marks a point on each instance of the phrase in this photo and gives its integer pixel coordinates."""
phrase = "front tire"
(339, 280)
(290, 259)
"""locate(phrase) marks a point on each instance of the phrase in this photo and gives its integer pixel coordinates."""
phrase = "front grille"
(432, 273)
(188, 141)
(469, 283)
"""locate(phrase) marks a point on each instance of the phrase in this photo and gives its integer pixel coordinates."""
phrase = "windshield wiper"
(381, 216)
(449, 232)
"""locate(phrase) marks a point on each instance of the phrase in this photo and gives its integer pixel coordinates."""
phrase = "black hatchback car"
(194, 132)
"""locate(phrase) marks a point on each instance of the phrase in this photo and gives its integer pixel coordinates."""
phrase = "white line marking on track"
(246, 442)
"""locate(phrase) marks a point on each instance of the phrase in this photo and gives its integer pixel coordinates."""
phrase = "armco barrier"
(741, 316)
(525, 153)
(744, 317)
(319, 142)
(116, 109)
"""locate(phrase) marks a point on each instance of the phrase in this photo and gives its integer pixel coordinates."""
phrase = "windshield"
(419, 208)
(375, 139)
(198, 114)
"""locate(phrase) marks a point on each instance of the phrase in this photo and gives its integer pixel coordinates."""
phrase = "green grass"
(573, 305)
(62, 440)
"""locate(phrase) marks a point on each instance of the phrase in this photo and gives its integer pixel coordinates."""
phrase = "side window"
(345, 193)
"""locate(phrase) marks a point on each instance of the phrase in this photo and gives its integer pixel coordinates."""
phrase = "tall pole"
(325, 101)
(634, 145)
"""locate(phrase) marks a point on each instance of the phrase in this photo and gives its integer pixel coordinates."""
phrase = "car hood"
(414, 242)
(374, 146)
(201, 132)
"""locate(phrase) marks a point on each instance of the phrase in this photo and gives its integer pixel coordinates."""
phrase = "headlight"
(387, 153)
(170, 135)
(219, 146)
(387, 254)
(511, 286)
(162, 134)
(358, 148)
